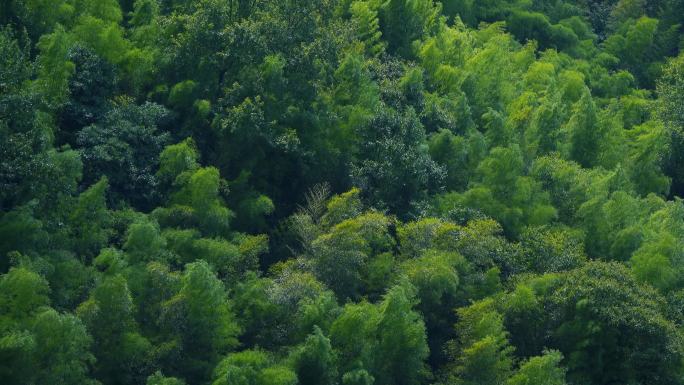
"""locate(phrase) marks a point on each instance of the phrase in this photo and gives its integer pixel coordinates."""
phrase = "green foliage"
(56, 346)
(387, 339)
(536, 26)
(89, 220)
(671, 93)
(549, 250)
(543, 370)
(637, 36)
(201, 317)
(144, 242)
(354, 192)
(357, 377)
(31, 167)
(62, 349)
(197, 203)
(119, 349)
(91, 84)
(315, 362)
(177, 159)
(368, 26)
(23, 293)
(584, 132)
(125, 147)
(670, 89)
(342, 258)
(404, 21)
(504, 192)
(158, 379)
(623, 315)
(252, 367)
(484, 356)
(402, 344)
(394, 169)
(435, 275)
(648, 142)
(458, 154)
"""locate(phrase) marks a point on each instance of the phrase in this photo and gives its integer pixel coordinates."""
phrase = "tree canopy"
(342, 192)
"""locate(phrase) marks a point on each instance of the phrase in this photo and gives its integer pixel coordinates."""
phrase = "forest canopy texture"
(341, 192)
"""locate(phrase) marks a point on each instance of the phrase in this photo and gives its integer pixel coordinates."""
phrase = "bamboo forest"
(341, 192)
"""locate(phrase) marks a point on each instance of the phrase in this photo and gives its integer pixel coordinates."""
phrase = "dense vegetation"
(352, 192)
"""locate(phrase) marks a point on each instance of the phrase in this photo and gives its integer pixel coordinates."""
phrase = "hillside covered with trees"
(342, 192)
